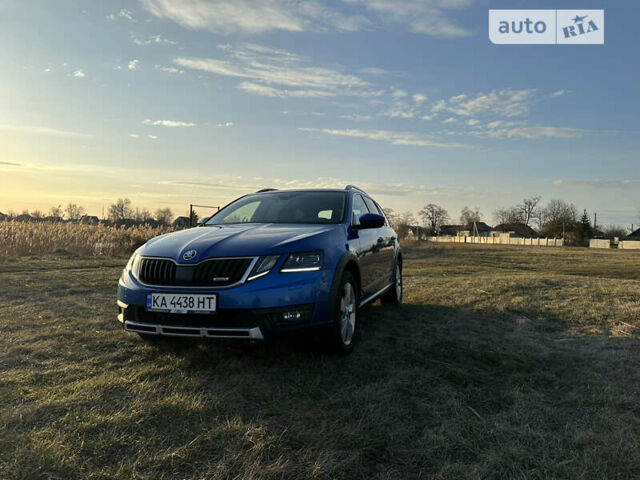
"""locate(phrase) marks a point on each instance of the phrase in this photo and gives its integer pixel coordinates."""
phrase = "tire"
(393, 296)
(342, 334)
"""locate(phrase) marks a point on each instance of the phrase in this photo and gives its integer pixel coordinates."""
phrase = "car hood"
(238, 240)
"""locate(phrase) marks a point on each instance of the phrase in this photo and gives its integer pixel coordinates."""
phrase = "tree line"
(121, 211)
(555, 219)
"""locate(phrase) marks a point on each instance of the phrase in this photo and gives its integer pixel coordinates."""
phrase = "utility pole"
(595, 220)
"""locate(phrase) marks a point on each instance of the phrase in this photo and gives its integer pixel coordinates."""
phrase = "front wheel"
(393, 296)
(342, 333)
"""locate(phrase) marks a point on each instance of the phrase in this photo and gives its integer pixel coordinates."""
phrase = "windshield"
(284, 207)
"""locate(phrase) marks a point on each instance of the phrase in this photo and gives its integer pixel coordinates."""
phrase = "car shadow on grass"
(450, 392)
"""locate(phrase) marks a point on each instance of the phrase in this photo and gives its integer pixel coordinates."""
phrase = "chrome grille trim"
(180, 331)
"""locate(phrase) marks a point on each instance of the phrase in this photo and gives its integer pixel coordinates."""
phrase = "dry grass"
(31, 238)
(505, 362)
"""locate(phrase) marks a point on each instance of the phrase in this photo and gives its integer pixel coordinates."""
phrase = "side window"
(359, 208)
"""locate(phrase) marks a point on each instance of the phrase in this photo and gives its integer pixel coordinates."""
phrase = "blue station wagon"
(269, 262)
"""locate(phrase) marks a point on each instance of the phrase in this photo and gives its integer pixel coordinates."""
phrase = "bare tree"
(37, 214)
(121, 210)
(401, 222)
(56, 212)
(142, 215)
(468, 216)
(434, 216)
(164, 216)
(613, 231)
(74, 212)
(508, 215)
(559, 216)
(528, 208)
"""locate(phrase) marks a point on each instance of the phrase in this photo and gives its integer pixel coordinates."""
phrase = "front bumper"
(252, 311)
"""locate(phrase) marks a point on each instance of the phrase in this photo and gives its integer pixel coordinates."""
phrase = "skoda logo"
(189, 254)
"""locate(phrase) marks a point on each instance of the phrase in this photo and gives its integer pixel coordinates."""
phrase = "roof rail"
(353, 187)
(267, 190)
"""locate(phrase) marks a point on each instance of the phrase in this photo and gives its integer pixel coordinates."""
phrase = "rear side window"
(359, 209)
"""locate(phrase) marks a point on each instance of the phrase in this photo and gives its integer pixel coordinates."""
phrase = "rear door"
(366, 247)
(384, 247)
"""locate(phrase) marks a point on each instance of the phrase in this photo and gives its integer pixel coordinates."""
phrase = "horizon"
(175, 103)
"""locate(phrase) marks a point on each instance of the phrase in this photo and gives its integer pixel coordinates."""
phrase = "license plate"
(181, 303)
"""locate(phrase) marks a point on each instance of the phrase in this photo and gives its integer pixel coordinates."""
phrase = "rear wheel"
(342, 333)
(393, 296)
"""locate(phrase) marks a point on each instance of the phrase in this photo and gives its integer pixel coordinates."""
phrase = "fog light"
(291, 316)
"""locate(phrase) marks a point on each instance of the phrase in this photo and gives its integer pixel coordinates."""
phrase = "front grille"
(220, 272)
(217, 272)
(157, 271)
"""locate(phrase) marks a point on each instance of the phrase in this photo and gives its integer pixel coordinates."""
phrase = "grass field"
(505, 362)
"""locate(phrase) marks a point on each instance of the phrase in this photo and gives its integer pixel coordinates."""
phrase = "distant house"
(89, 220)
(635, 235)
(182, 222)
(480, 229)
(24, 217)
(518, 229)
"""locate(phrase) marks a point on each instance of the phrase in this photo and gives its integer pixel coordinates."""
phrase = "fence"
(503, 239)
(599, 243)
(629, 244)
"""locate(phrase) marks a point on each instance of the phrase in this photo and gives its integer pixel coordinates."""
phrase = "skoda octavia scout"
(270, 262)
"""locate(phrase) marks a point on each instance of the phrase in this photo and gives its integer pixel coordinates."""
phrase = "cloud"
(79, 74)
(558, 93)
(47, 70)
(154, 39)
(162, 68)
(508, 103)
(124, 13)
(278, 73)
(134, 135)
(152, 137)
(600, 183)
(531, 132)
(419, 98)
(225, 124)
(395, 138)
(427, 17)
(168, 123)
(266, 91)
(10, 164)
(253, 16)
(356, 117)
(449, 120)
(133, 64)
(41, 130)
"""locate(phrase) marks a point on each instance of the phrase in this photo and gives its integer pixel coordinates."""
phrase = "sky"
(171, 102)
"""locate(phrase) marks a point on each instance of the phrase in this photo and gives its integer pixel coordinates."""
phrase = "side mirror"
(370, 220)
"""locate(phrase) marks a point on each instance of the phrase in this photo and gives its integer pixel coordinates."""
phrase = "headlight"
(263, 266)
(302, 262)
(133, 264)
